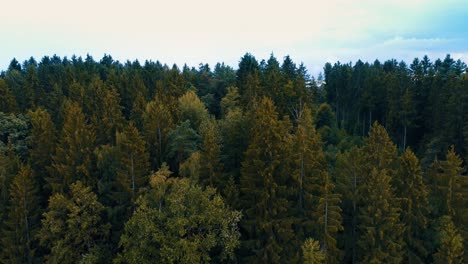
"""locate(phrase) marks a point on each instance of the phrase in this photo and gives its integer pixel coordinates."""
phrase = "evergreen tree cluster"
(104, 162)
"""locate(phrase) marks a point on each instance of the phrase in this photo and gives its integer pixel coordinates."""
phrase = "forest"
(111, 162)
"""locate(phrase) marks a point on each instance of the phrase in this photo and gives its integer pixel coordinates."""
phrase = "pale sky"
(210, 31)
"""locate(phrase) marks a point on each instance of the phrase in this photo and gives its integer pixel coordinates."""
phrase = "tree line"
(102, 161)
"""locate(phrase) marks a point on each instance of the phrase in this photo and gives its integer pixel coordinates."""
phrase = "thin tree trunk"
(301, 178)
(354, 219)
(160, 147)
(132, 172)
(404, 138)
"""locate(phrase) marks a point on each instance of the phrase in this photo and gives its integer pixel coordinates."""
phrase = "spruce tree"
(41, 142)
(134, 163)
(211, 167)
(107, 117)
(8, 103)
(329, 221)
(264, 189)
(450, 243)
(19, 235)
(449, 193)
(380, 228)
(157, 124)
(413, 194)
(73, 159)
(381, 239)
(311, 252)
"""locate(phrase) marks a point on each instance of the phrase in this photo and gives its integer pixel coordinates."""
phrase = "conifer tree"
(230, 101)
(317, 203)
(19, 235)
(9, 166)
(449, 192)
(107, 117)
(311, 253)
(264, 188)
(157, 124)
(7, 100)
(350, 172)
(414, 197)
(182, 142)
(138, 110)
(211, 167)
(450, 250)
(329, 220)
(42, 142)
(310, 163)
(380, 227)
(381, 239)
(381, 151)
(74, 153)
(234, 130)
(134, 163)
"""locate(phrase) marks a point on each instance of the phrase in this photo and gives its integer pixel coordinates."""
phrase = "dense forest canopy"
(134, 163)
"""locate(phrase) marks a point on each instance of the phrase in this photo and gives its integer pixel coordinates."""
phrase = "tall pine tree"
(267, 227)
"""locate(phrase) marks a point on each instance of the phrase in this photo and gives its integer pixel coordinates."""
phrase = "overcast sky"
(210, 31)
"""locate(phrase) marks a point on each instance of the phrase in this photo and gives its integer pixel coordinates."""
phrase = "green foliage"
(7, 100)
(72, 226)
(158, 123)
(41, 142)
(107, 118)
(183, 141)
(413, 194)
(179, 222)
(73, 156)
(211, 167)
(192, 109)
(230, 101)
(311, 253)
(329, 220)
(325, 116)
(19, 241)
(265, 187)
(9, 167)
(318, 176)
(133, 171)
(450, 250)
(14, 129)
